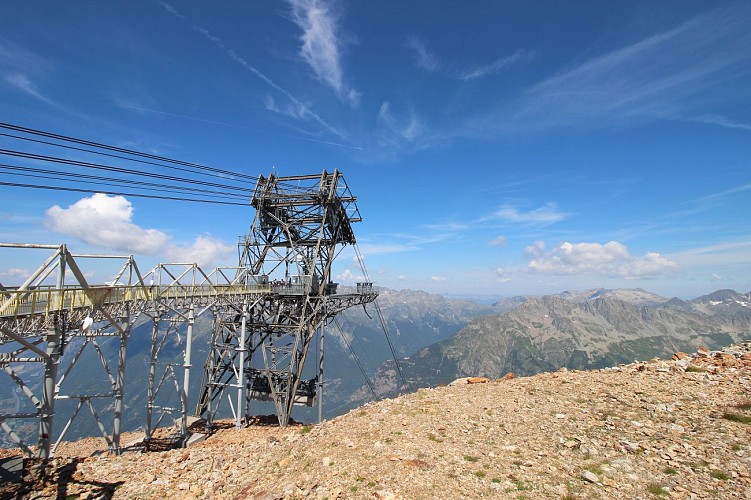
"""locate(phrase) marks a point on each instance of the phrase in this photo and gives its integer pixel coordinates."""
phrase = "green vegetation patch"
(521, 485)
(736, 417)
(435, 438)
(719, 475)
(656, 489)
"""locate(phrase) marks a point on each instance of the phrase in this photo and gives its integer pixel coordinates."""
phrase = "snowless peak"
(635, 296)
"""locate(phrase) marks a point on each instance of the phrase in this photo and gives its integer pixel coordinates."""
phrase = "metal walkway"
(266, 312)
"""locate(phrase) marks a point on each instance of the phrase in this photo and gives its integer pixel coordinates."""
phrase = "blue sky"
(496, 148)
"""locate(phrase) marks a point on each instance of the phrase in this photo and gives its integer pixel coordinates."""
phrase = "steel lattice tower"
(260, 347)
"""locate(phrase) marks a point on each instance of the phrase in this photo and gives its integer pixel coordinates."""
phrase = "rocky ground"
(660, 429)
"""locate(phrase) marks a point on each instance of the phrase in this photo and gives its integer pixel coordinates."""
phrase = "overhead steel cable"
(112, 183)
(138, 195)
(110, 155)
(382, 320)
(65, 138)
(72, 176)
(99, 166)
(390, 342)
(357, 360)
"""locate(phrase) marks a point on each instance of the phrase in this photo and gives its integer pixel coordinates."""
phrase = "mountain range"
(576, 330)
(438, 339)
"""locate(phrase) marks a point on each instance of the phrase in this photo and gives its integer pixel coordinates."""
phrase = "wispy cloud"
(498, 65)
(24, 84)
(23, 70)
(498, 241)
(402, 131)
(658, 77)
(717, 255)
(503, 275)
(305, 111)
(544, 215)
(125, 105)
(291, 108)
(321, 44)
(17, 58)
(721, 121)
(394, 243)
(424, 58)
(722, 194)
(369, 249)
(407, 130)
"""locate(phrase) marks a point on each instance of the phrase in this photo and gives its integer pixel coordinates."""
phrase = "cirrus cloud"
(423, 57)
(498, 241)
(609, 259)
(544, 215)
(321, 44)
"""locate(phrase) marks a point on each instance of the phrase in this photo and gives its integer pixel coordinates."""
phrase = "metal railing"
(42, 301)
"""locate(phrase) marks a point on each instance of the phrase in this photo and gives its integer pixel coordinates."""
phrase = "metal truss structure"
(260, 347)
(266, 311)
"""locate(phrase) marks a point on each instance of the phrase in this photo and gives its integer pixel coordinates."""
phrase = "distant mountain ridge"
(439, 339)
(414, 319)
(578, 330)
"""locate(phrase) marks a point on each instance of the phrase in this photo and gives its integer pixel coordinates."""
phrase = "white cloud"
(503, 275)
(546, 214)
(321, 46)
(438, 278)
(401, 277)
(610, 259)
(71, 278)
(498, 241)
(715, 277)
(349, 277)
(14, 274)
(423, 57)
(205, 250)
(106, 221)
(498, 65)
